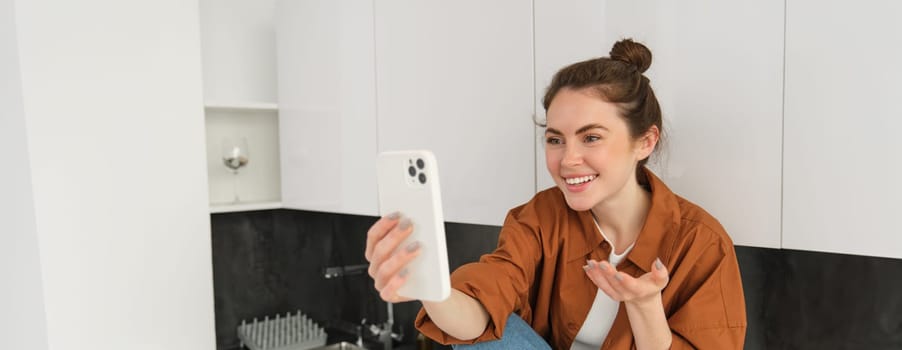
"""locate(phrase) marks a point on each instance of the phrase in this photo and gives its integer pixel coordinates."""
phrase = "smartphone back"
(409, 184)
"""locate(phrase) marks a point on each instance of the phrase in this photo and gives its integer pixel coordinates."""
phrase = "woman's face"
(588, 149)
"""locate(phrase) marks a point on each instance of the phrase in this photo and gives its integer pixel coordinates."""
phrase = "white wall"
(113, 109)
(23, 324)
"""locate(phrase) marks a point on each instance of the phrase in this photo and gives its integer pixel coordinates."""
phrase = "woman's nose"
(572, 156)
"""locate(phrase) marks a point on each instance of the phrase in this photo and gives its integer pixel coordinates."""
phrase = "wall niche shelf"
(243, 206)
(241, 106)
(257, 122)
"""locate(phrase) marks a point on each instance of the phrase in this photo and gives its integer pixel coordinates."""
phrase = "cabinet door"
(841, 168)
(327, 110)
(717, 71)
(566, 32)
(456, 77)
(238, 46)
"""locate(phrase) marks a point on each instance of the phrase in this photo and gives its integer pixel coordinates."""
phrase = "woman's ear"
(645, 144)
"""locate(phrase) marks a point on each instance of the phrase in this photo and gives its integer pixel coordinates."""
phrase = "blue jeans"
(517, 335)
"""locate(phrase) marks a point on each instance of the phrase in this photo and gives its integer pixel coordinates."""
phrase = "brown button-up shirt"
(536, 271)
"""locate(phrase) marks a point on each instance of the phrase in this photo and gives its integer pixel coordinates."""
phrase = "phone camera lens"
(412, 171)
(420, 163)
(422, 178)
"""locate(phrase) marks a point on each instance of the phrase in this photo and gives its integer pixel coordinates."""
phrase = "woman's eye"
(592, 138)
(553, 141)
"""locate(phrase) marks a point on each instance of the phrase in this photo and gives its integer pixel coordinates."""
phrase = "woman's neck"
(622, 216)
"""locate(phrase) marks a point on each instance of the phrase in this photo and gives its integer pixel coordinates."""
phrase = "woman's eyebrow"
(590, 127)
(581, 130)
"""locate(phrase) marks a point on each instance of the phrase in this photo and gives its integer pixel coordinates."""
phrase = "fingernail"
(412, 246)
(618, 277)
(393, 216)
(405, 223)
(602, 266)
(658, 264)
(403, 273)
(586, 267)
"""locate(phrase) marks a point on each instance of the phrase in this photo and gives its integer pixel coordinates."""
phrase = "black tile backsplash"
(268, 262)
(272, 261)
(811, 300)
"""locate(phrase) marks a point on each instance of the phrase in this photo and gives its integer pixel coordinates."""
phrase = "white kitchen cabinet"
(457, 78)
(841, 163)
(327, 105)
(566, 32)
(238, 49)
(239, 76)
(717, 72)
(358, 78)
(465, 78)
(112, 229)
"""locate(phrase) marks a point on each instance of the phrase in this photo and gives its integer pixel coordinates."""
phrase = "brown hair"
(616, 79)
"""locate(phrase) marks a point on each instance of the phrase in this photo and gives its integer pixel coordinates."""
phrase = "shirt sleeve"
(711, 314)
(500, 281)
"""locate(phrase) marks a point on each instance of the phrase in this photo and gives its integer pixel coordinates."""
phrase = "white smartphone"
(409, 184)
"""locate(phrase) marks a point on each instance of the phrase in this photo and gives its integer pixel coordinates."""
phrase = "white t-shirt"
(604, 309)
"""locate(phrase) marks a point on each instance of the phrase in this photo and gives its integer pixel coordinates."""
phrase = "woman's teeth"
(579, 180)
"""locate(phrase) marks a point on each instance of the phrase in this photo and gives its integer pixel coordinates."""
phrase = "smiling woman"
(608, 258)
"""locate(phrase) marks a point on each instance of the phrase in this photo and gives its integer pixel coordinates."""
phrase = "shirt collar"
(663, 215)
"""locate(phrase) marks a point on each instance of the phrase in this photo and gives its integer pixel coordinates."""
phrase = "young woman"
(609, 258)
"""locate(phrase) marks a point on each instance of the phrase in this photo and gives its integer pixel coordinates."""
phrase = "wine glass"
(235, 156)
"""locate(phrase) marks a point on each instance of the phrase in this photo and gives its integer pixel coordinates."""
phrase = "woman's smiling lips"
(579, 183)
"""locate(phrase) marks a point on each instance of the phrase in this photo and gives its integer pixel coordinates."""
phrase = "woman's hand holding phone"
(459, 315)
(387, 262)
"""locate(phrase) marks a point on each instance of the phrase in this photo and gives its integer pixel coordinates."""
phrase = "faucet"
(383, 333)
(339, 271)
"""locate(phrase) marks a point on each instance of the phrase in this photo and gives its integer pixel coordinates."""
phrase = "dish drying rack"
(291, 332)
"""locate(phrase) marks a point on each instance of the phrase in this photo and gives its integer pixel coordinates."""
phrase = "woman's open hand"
(622, 287)
(387, 262)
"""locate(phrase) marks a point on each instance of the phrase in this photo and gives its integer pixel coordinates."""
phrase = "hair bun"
(633, 53)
